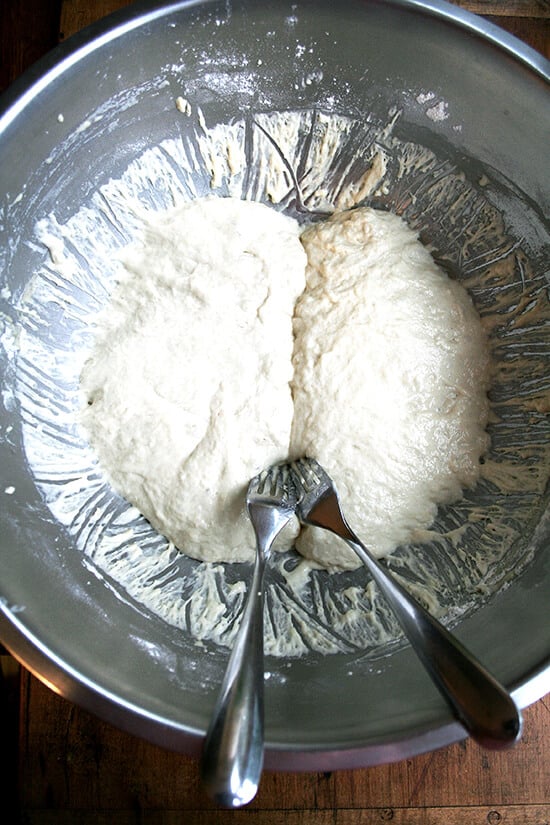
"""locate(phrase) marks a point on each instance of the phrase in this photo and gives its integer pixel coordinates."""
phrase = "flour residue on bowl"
(296, 161)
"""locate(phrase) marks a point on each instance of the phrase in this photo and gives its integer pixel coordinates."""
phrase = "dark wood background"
(63, 766)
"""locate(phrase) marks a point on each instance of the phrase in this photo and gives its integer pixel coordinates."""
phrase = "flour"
(188, 388)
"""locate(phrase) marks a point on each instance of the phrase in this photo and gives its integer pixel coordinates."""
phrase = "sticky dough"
(390, 380)
(224, 349)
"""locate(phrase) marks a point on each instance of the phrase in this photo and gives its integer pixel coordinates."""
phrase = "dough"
(188, 388)
(390, 380)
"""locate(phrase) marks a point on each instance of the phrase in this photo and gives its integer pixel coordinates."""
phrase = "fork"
(477, 699)
(232, 757)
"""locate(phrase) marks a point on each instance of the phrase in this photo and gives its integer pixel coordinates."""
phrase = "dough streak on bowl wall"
(472, 549)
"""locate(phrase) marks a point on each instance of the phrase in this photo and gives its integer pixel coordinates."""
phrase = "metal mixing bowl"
(473, 97)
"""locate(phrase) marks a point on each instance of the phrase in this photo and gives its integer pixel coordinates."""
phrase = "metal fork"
(480, 703)
(232, 757)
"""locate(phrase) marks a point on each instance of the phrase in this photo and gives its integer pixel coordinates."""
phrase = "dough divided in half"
(225, 348)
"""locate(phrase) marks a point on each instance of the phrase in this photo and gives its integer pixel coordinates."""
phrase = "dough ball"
(390, 379)
(188, 387)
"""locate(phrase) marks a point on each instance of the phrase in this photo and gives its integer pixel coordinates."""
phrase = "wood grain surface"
(75, 768)
(64, 766)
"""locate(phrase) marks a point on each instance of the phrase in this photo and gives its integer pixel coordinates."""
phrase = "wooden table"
(73, 769)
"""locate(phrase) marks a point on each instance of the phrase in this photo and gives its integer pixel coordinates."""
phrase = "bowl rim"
(55, 62)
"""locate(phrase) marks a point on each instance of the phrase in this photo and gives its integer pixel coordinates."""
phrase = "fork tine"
(317, 500)
(309, 475)
(277, 488)
(264, 483)
(256, 483)
(264, 486)
(304, 473)
(276, 481)
(282, 481)
(275, 484)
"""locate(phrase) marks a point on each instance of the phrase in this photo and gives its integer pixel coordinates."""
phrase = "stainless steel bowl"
(476, 99)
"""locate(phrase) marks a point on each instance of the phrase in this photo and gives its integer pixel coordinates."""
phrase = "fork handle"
(232, 756)
(481, 704)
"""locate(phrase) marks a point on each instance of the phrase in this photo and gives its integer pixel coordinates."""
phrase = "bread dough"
(390, 380)
(188, 387)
